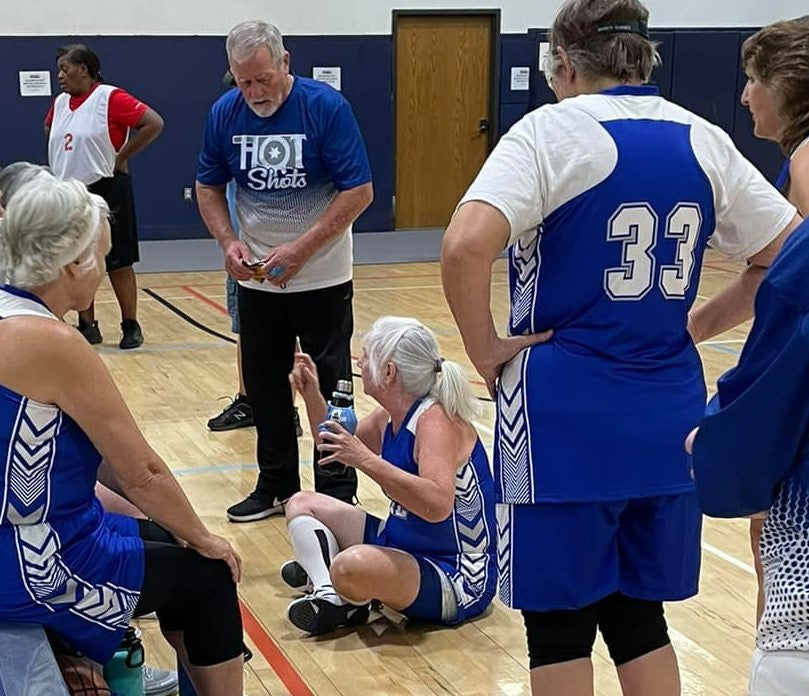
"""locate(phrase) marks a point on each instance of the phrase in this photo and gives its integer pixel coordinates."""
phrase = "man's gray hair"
(47, 225)
(247, 37)
(15, 175)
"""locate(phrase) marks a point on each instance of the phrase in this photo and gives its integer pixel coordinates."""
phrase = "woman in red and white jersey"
(88, 128)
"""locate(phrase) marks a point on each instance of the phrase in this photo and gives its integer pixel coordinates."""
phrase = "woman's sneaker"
(293, 574)
(324, 611)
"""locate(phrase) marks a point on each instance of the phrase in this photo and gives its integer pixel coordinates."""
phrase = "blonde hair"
(778, 55)
(413, 348)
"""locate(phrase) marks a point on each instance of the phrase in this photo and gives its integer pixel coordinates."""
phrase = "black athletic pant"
(192, 594)
(323, 320)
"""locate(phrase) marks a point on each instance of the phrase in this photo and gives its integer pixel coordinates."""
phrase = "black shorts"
(117, 191)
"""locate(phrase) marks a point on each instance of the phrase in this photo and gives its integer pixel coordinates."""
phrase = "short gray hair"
(15, 175)
(247, 37)
(413, 348)
(590, 32)
(47, 225)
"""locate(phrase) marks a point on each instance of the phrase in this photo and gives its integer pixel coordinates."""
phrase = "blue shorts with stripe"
(444, 597)
(570, 555)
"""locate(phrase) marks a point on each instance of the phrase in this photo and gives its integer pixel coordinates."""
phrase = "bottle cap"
(345, 386)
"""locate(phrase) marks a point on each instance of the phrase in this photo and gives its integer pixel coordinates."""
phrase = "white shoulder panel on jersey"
(414, 419)
(750, 212)
(15, 306)
(549, 157)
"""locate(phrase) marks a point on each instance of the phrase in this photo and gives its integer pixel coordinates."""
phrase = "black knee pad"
(560, 636)
(631, 627)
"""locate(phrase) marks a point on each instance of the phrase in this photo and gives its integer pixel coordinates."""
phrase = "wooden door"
(443, 112)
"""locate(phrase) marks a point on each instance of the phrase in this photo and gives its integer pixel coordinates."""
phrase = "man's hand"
(284, 263)
(236, 251)
(489, 362)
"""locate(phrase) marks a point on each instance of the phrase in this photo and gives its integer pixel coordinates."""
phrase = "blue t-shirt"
(288, 167)
(612, 199)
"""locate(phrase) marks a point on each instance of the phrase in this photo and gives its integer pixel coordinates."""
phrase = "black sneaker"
(293, 574)
(91, 332)
(255, 507)
(317, 615)
(132, 335)
(237, 414)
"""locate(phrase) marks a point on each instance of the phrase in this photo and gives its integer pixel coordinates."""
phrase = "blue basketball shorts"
(570, 555)
(232, 288)
(437, 600)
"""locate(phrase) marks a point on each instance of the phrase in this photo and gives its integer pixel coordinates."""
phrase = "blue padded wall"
(182, 91)
(700, 70)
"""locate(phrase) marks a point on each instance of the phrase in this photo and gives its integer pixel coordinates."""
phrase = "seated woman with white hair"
(67, 564)
(434, 557)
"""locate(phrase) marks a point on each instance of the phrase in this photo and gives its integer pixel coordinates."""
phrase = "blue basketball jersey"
(66, 564)
(465, 541)
(288, 167)
(612, 199)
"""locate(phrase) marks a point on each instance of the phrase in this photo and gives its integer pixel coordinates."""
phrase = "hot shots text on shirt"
(272, 161)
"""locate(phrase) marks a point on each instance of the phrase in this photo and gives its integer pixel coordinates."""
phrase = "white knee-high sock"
(315, 546)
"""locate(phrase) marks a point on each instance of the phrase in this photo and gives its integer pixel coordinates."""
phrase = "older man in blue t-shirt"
(302, 176)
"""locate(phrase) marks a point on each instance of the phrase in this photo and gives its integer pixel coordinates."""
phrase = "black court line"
(180, 313)
(208, 330)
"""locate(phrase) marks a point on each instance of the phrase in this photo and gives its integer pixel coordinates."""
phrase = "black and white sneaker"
(237, 414)
(316, 614)
(255, 507)
(293, 574)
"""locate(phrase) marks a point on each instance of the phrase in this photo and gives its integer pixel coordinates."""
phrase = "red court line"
(290, 678)
(203, 298)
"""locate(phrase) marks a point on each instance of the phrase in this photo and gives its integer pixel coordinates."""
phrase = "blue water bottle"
(341, 406)
(124, 672)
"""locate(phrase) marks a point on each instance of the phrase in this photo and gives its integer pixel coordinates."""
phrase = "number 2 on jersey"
(68, 142)
(636, 227)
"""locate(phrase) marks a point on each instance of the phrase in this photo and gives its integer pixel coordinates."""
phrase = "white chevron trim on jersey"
(474, 537)
(32, 450)
(503, 514)
(50, 583)
(525, 260)
(512, 446)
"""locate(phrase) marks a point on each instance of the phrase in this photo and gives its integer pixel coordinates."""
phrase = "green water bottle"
(124, 672)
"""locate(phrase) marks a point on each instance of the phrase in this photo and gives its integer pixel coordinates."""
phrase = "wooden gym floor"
(172, 385)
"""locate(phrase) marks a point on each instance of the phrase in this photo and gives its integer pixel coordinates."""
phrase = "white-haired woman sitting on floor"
(434, 557)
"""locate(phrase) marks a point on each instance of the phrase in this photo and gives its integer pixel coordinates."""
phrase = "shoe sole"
(130, 346)
(269, 512)
(305, 586)
(316, 622)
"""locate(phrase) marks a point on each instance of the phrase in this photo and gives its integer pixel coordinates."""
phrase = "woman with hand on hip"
(89, 127)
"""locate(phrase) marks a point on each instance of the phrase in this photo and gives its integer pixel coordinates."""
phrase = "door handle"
(483, 125)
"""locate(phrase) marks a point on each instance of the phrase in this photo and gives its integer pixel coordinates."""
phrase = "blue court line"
(719, 348)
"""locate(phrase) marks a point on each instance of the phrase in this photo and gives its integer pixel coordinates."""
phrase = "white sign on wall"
(35, 83)
(544, 50)
(331, 76)
(519, 79)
